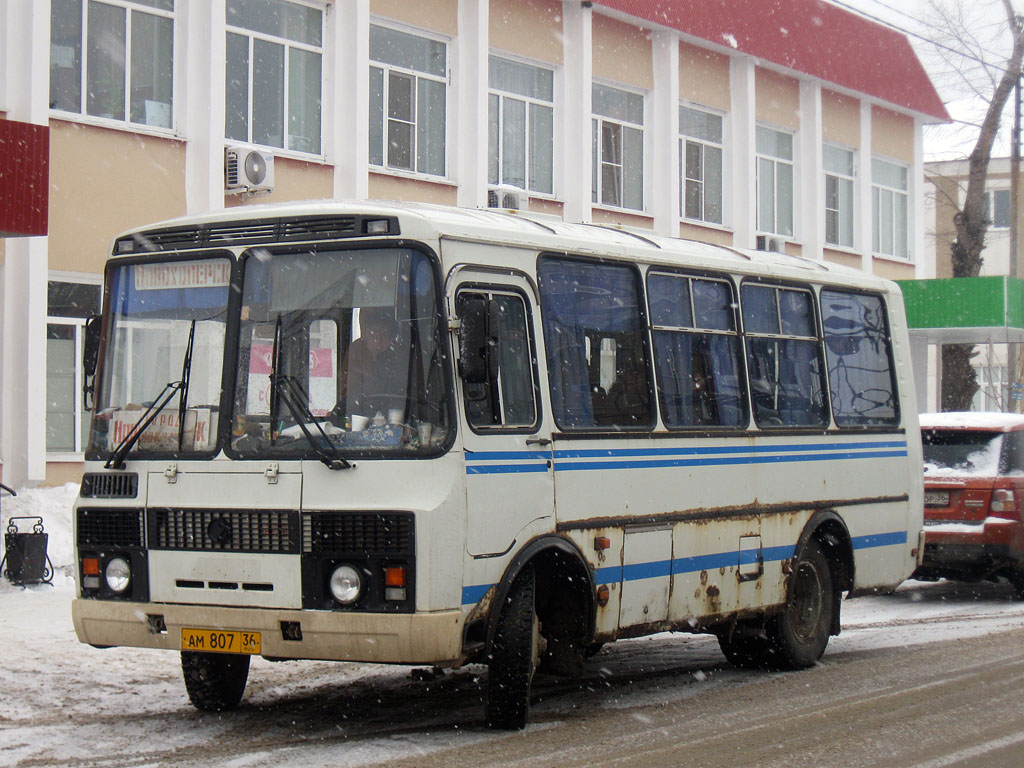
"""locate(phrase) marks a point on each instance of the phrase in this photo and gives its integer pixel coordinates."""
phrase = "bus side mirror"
(473, 339)
(90, 357)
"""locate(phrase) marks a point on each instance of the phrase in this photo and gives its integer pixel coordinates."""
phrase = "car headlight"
(346, 584)
(118, 574)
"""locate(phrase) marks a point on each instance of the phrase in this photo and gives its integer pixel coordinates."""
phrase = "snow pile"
(981, 463)
(54, 506)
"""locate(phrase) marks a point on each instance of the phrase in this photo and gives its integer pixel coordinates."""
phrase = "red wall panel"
(24, 178)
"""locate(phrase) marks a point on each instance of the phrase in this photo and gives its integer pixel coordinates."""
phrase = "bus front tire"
(513, 657)
(800, 632)
(215, 681)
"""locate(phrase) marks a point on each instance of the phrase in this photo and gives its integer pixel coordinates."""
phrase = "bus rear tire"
(747, 652)
(215, 681)
(513, 657)
(800, 632)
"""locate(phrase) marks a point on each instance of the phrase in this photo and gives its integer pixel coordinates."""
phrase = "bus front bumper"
(403, 638)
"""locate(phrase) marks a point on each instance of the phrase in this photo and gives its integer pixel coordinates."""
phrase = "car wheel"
(214, 681)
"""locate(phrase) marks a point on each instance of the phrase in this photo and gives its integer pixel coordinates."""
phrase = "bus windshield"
(339, 352)
(164, 356)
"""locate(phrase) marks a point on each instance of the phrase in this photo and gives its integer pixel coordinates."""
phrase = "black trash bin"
(25, 559)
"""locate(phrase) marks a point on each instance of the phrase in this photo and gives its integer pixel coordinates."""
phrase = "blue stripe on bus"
(615, 574)
(723, 461)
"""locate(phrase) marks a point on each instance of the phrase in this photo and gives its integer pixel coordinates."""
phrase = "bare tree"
(968, 59)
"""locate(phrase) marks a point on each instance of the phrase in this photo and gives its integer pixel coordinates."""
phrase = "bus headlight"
(346, 584)
(118, 575)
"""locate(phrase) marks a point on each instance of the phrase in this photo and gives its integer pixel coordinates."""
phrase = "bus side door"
(505, 433)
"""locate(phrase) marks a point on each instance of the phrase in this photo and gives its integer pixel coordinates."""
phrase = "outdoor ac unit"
(505, 196)
(248, 171)
(773, 244)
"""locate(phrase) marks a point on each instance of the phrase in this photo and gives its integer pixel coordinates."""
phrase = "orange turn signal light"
(90, 566)
(602, 542)
(603, 595)
(394, 576)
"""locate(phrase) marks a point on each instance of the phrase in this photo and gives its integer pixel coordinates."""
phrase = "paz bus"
(413, 434)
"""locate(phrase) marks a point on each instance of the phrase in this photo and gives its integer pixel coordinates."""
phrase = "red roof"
(809, 36)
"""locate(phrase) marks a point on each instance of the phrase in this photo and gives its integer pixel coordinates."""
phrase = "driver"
(372, 375)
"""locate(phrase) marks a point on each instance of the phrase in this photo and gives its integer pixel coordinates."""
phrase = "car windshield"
(961, 451)
(165, 355)
(340, 352)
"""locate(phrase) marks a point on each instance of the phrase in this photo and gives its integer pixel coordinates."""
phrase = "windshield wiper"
(284, 387)
(116, 460)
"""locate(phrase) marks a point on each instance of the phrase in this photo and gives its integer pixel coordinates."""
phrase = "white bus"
(402, 433)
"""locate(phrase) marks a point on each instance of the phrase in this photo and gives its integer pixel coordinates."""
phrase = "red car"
(973, 495)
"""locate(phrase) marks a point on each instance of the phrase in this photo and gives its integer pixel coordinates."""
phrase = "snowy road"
(930, 676)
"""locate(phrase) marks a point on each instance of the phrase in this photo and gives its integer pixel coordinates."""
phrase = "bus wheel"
(747, 652)
(214, 681)
(800, 633)
(514, 656)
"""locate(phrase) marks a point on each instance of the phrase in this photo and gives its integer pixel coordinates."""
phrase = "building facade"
(794, 126)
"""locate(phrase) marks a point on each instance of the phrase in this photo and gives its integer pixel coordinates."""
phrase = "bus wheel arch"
(828, 529)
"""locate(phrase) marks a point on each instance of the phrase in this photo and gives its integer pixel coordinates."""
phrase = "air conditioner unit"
(769, 243)
(248, 171)
(505, 196)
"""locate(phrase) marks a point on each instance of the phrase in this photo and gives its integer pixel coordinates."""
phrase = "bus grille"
(370, 533)
(109, 528)
(233, 530)
(106, 485)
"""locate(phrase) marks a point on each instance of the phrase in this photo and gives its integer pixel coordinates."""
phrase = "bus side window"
(784, 362)
(504, 394)
(593, 331)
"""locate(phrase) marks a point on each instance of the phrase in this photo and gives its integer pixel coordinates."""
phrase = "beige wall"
(551, 207)
(293, 180)
(705, 234)
(892, 135)
(385, 187)
(601, 216)
(840, 119)
(846, 259)
(61, 472)
(947, 192)
(892, 270)
(777, 99)
(530, 28)
(440, 16)
(622, 53)
(704, 77)
(104, 181)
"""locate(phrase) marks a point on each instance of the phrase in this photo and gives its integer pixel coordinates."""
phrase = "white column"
(743, 138)
(663, 141)
(200, 46)
(25, 40)
(347, 73)
(470, 112)
(576, 139)
(811, 188)
(917, 203)
(862, 201)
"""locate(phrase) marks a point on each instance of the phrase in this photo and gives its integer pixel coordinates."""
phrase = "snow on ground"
(58, 696)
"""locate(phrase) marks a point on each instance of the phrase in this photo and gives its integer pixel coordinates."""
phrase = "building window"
(520, 133)
(113, 59)
(274, 74)
(997, 208)
(618, 141)
(839, 177)
(700, 160)
(889, 209)
(68, 305)
(774, 181)
(408, 80)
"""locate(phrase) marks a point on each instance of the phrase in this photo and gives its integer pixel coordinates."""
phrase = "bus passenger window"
(595, 348)
(508, 396)
(857, 347)
(783, 357)
(696, 352)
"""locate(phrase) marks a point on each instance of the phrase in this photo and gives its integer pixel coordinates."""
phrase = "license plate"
(220, 641)
(936, 498)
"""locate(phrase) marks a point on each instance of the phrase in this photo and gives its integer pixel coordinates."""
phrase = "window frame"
(704, 144)
(598, 121)
(82, 115)
(527, 127)
(991, 209)
(776, 161)
(415, 75)
(287, 44)
(851, 202)
(877, 190)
